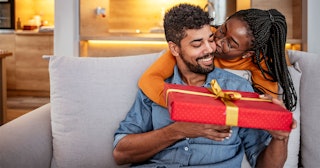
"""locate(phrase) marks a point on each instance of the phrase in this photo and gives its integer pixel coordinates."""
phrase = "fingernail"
(262, 96)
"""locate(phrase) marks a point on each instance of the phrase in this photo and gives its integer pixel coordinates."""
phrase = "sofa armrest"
(27, 141)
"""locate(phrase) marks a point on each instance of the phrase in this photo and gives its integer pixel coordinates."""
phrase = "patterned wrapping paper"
(199, 104)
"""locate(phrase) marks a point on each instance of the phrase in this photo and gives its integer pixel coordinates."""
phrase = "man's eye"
(196, 44)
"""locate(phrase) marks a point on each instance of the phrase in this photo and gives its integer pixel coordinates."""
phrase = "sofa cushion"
(294, 139)
(310, 105)
(89, 97)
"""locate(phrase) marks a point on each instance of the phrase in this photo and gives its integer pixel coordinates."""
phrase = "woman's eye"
(232, 45)
(211, 39)
(221, 31)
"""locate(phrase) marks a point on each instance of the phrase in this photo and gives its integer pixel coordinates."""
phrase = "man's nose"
(211, 47)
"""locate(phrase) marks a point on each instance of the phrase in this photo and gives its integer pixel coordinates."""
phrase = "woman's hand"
(279, 135)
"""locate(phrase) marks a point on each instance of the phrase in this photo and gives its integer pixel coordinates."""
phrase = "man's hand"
(194, 130)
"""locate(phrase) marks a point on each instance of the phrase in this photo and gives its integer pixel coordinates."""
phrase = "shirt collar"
(176, 79)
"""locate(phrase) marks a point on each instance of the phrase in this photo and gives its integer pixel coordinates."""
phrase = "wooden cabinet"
(7, 42)
(31, 75)
(3, 86)
(291, 9)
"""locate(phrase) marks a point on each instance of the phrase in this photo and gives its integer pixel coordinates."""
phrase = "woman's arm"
(152, 80)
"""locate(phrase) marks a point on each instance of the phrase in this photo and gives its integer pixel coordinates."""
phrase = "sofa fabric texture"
(80, 112)
(309, 106)
(27, 141)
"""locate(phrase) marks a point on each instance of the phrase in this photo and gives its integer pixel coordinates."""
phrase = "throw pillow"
(89, 98)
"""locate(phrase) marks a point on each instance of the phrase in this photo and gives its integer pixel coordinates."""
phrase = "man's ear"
(248, 54)
(174, 49)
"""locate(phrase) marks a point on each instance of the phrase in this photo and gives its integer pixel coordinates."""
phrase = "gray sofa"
(90, 96)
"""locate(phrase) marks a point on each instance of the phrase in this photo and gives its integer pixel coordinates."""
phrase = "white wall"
(313, 26)
(66, 30)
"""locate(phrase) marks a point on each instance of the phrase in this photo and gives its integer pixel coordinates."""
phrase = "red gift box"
(199, 104)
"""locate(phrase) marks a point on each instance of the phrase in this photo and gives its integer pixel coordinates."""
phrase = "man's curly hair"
(182, 17)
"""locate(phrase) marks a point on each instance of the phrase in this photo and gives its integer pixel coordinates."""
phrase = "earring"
(245, 56)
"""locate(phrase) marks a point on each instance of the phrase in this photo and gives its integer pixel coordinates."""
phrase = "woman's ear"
(174, 49)
(248, 54)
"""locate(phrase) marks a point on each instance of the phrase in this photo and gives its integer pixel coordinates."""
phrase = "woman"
(251, 39)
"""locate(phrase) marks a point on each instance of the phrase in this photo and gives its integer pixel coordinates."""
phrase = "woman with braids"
(251, 39)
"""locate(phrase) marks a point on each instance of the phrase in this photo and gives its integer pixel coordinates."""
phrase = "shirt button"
(186, 148)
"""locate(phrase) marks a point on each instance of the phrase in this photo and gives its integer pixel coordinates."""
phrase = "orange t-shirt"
(152, 81)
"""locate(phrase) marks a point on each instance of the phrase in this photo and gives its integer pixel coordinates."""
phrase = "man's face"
(196, 51)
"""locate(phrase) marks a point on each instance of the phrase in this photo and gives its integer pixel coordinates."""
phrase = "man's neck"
(193, 79)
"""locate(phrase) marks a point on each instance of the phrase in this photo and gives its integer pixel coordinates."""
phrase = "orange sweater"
(152, 81)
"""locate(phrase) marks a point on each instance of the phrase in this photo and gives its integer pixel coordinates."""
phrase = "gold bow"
(216, 90)
(232, 111)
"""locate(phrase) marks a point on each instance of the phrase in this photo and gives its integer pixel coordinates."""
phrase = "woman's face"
(232, 39)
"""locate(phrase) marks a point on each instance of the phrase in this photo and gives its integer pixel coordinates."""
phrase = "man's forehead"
(198, 34)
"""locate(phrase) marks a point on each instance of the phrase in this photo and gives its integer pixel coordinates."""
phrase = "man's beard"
(197, 68)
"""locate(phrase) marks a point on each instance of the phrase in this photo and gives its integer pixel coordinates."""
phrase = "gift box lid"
(199, 104)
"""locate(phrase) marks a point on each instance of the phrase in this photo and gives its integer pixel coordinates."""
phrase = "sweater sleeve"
(152, 80)
(267, 86)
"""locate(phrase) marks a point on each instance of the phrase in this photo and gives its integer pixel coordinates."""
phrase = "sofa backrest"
(309, 105)
(89, 97)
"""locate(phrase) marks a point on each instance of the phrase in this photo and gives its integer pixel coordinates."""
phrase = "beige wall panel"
(289, 8)
(90, 23)
(111, 50)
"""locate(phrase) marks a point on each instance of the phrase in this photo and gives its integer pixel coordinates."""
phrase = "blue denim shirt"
(146, 115)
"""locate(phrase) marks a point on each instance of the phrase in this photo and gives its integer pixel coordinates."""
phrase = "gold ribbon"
(232, 111)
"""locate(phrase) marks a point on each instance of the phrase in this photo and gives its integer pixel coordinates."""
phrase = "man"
(147, 137)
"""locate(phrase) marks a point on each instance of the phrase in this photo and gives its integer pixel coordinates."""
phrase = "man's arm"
(275, 154)
(135, 148)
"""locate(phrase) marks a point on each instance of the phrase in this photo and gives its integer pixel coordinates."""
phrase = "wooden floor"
(17, 106)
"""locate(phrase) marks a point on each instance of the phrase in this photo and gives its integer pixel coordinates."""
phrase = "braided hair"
(269, 30)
